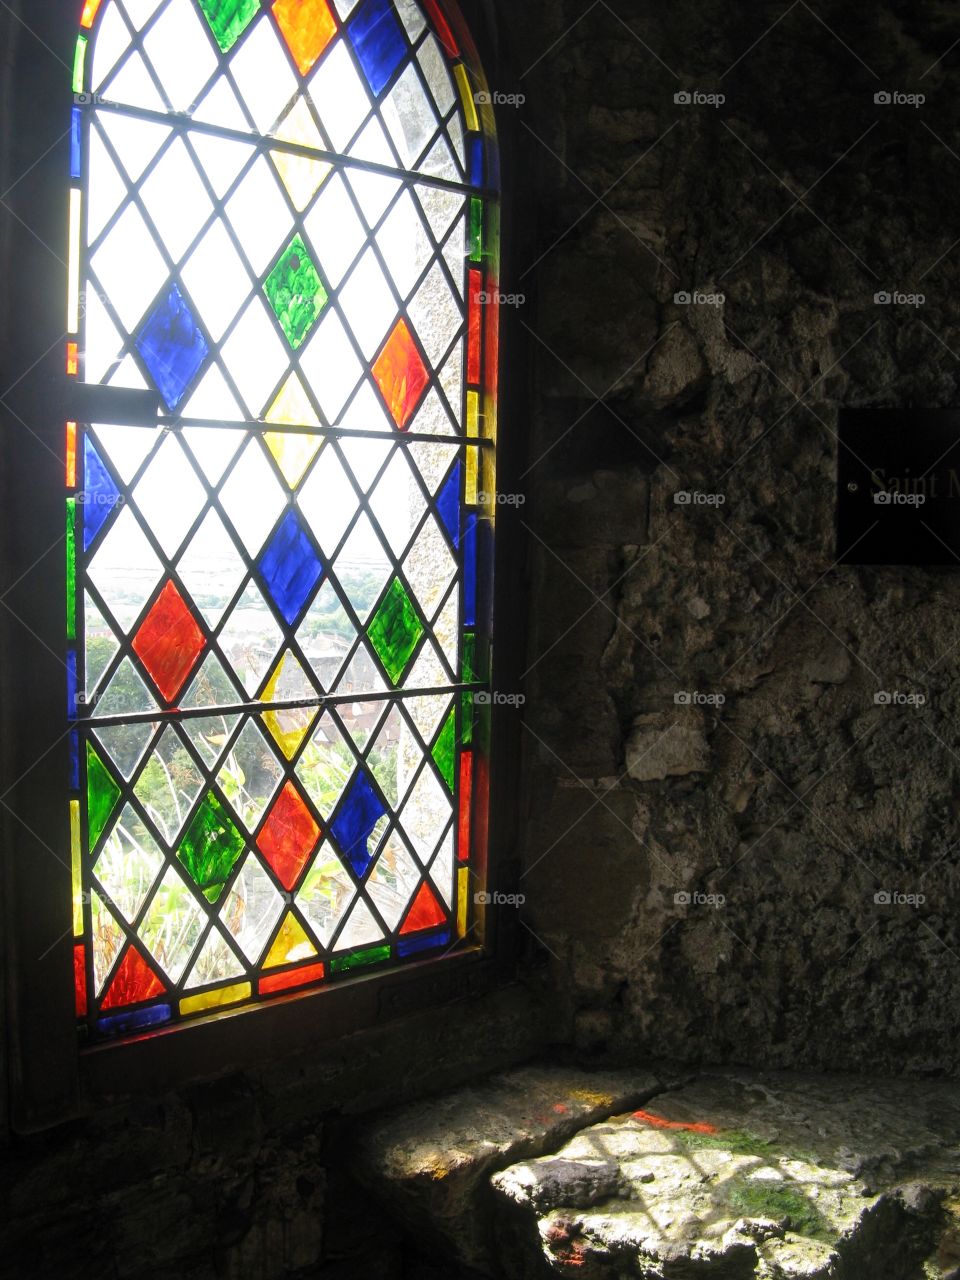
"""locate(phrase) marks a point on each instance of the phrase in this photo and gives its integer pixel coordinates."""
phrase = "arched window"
(283, 237)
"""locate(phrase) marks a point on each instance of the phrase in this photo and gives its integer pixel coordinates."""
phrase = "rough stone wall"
(799, 798)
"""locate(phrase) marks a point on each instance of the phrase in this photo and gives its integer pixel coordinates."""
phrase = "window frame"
(48, 1072)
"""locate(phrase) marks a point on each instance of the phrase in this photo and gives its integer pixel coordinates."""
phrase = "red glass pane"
(466, 797)
(169, 642)
(426, 912)
(473, 327)
(442, 28)
(289, 836)
(133, 983)
(308, 27)
(401, 374)
(80, 978)
(295, 978)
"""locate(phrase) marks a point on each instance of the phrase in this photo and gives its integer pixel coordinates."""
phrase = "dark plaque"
(899, 486)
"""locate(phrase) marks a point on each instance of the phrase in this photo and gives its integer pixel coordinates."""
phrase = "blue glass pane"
(172, 346)
(72, 684)
(100, 494)
(119, 1024)
(74, 761)
(378, 39)
(291, 568)
(476, 162)
(360, 812)
(470, 571)
(448, 504)
(75, 143)
(423, 942)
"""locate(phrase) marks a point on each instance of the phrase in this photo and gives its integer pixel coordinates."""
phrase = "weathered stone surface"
(663, 745)
(430, 1162)
(740, 1175)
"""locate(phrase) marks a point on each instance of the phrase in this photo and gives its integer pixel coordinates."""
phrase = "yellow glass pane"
(463, 889)
(215, 999)
(73, 264)
(473, 470)
(76, 866)
(293, 453)
(301, 175)
(466, 97)
(290, 727)
(291, 944)
(473, 413)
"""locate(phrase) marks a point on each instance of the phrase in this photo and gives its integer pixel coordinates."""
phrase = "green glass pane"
(79, 59)
(229, 19)
(71, 568)
(469, 676)
(395, 630)
(295, 291)
(445, 748)
(341, 964)
(476, 229)
(102, 795)
(211, 846)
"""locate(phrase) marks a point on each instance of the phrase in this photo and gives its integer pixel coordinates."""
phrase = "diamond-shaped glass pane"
(172, 346)
(169, 641)
(128, 865)
(171, 928)
(401, 374)
(250, 641)
(326, 893)
(326, 766)
(169, 785)
(229, 19)
(356, 822)
(210, 846)
(295, 292)
(211, 569)
(308, 26)
(290, 567)
(288, 836)
(252, 909)
(249, 775)
(395, 630)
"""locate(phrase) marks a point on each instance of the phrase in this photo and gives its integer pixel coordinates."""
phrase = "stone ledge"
(430, 1162)
(740, 1175)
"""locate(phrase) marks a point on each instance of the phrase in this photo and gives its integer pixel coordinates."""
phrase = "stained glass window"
(283, 230)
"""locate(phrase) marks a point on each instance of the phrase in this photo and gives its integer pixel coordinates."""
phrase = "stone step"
(430, 1162)
(739, 1175)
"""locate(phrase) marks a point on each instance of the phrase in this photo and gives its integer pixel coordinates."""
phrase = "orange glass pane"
(426, 912)
(401, 374)
(295, 978)
(71, 455)
(73, 359)
(308, 26)
(89, 12)
(135, 982)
